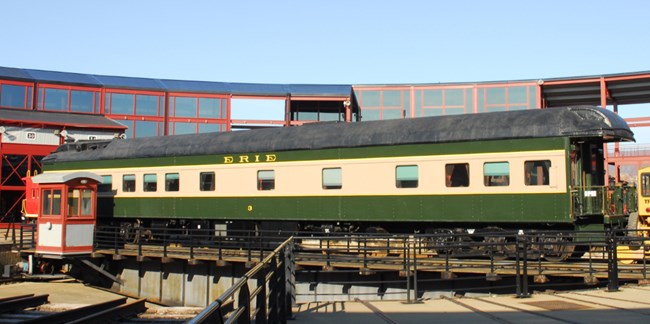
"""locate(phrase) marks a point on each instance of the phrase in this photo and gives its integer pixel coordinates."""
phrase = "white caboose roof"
(62, 177)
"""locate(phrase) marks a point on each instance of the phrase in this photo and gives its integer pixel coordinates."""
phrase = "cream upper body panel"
(360, 177)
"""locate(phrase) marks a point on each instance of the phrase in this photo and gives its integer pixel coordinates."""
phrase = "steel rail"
(112, 314)
(75, 314)
(22, 302)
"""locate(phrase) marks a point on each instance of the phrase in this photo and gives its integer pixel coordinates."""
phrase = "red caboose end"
(64, 204)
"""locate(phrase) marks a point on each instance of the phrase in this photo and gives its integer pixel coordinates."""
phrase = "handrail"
(214, 314)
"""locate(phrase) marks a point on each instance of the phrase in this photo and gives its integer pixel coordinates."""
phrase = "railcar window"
(496, 174)
(645, 184)
(172, 182)
(128, 183)
(457, 175)
(106, 185)
(150, 182)
(536, 173)
(332, 178)
(266, 180)
(206, 181)
(406, 176)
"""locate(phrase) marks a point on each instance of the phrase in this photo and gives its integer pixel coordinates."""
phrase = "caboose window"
(406, 176)
(457, 175)
(73, 202)
(266, 180)
(128, 183)
(536, 173)
(51, 202)
(206, 181)
(79, 202)
(496, 174)
(150, 182)
(172, 181)
(332, 178)
(86, 202)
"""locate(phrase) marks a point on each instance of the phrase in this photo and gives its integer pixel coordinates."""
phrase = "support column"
(287, 111)
(348, 110)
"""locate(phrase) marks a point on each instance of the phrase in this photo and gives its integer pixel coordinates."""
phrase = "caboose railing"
(611, 201)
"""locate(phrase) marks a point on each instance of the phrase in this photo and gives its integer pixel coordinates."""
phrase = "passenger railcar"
(533, 169)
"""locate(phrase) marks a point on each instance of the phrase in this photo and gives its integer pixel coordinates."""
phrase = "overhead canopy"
(59, 119)
(621, 88)
(63, 177)
(249, 89)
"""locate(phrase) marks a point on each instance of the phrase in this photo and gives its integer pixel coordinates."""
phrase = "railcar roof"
(577, 121)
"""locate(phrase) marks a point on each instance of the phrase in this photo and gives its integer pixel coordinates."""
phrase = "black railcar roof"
(578, 121)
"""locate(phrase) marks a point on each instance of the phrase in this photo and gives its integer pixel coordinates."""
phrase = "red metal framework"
(17, 161)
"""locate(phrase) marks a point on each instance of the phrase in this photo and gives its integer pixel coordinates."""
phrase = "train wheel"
(129, 233)
(557, 248)
(498, 247)
(443, 242)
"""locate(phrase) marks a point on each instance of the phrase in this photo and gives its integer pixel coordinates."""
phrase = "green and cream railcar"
(509, 170)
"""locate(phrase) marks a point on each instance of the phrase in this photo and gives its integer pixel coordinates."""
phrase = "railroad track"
(24, 309)
(591, 266)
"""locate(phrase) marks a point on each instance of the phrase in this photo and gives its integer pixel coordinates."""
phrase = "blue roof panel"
(63, 77)
(131, 83)
(325, 90)
(13, 73)
(196, 86)
(248, 89)
(260, 89)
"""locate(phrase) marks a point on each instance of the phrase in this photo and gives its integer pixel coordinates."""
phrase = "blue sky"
(341, 42)
(330, 42)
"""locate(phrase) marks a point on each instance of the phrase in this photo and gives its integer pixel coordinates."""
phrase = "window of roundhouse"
(457, 175)
(406, 176)
(148, 105)
(332, 178)
(184, 128)
(185, 107)
(266, 180)
(150, 182)
(206, 181)
(54, 99)
(82, 101)
(172, 182)
(537, 173)
(128, 183)
(120, 103)
(145, 128)
(15, 96)
(210, 108)
(645, 184)
(211, 128)
(496, 174)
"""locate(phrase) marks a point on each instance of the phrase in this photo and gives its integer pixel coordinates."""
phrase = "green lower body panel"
(548, 208)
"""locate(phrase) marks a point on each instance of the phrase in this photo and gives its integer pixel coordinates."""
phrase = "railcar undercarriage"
(552, 243)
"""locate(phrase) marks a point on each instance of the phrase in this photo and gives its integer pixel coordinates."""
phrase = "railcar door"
(587, 177)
